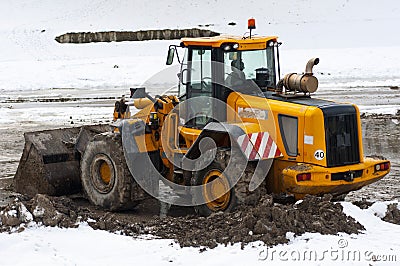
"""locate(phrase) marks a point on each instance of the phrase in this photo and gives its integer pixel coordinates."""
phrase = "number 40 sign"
(319, 155)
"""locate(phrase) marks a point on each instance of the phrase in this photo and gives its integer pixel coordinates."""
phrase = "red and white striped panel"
(258, 146)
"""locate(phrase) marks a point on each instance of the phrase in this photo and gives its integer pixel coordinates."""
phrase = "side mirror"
(171, 53)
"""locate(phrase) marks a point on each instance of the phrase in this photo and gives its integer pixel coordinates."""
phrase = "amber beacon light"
(251, 24)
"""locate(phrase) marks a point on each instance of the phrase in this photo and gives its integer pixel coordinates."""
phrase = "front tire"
(105, 176)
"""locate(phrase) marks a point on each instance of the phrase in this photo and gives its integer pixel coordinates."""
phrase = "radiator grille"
(342, 144)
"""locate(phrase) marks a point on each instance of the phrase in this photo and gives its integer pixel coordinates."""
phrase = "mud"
(363, 204)
(392, 214)
(381, 136)
(267, 222)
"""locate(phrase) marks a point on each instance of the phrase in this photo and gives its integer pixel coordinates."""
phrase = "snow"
(12, 213)
(24, 214)
(343, 34)
(38, 211)
(359, 52)
(38, 245)
(379, 208)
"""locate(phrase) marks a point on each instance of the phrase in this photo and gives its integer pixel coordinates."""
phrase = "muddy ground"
(267, 221)
(381, 136)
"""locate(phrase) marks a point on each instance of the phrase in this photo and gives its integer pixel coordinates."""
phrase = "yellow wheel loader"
(235, 131)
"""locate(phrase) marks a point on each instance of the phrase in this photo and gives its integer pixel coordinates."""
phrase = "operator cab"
(216, 66)
(229, 61)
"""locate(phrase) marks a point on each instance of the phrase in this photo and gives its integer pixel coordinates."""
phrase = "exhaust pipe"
(310, 64)
(306, 82)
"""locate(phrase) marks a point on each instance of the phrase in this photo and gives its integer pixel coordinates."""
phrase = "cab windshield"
(244, 68)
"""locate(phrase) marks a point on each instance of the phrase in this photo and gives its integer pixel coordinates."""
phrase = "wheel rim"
(102, 173)
(216, 191)
(105, 172)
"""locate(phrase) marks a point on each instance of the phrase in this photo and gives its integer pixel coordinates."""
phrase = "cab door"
(199, 87)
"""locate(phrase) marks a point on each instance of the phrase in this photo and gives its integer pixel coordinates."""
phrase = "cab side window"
(200, 72)
(289, 130)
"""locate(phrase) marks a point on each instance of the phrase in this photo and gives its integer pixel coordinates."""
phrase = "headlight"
(229, 46)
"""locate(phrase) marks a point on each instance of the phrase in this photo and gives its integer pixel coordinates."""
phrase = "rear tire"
(225, 202)
(105, 176)
(239, 194)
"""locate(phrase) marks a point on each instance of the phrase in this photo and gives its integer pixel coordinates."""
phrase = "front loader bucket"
(50, 162)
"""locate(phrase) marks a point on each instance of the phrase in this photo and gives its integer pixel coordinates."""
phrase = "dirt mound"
(41, 209)
(392, 214)
(142, 35)
(13, 215)
(362, 204)
(268, 221)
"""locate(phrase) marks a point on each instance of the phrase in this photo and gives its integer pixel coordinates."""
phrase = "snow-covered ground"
(377, 245)
(359, 52)
(360, 60)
